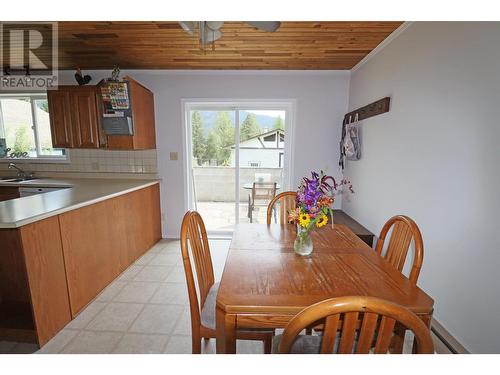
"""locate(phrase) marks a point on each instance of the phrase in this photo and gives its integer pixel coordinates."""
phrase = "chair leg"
(250, 208)
(196, 344)
(309, 331)
(196, 339)
(268, 344)
(398, 339)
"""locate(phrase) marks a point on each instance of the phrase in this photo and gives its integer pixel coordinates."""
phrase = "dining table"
(265, 284)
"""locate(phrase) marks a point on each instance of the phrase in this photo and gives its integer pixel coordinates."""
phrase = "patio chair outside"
(261, 196)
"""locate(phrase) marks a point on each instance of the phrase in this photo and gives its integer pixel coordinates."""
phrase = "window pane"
(261, 152)
(212, 145)
(16, 127)
(43, 127)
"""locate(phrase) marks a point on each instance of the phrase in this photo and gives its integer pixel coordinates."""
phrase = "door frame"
(187, 105)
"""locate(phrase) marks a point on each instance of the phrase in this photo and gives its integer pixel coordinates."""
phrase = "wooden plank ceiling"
(165, 45)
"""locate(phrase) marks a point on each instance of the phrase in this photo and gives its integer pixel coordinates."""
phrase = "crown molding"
(382, 45)
(217, 72)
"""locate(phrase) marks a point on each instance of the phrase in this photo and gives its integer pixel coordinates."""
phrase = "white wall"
(435, 157)
(321, 101)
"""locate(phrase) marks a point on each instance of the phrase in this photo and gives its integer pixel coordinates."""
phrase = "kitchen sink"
(16, 179)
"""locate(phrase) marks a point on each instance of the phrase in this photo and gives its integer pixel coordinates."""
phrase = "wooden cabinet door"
(143, 117)
(101, 240)
(92, 250)
(84, 118)
(60, 118)
(43, 255)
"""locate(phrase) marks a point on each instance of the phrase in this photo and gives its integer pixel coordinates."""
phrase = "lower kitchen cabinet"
(52, 268)
(43, 257)
(34, 302)
(101, 240)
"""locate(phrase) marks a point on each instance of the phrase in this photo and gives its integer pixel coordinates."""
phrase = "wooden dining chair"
(287, 202)
(404, 230)
(194, 245)
(352, 325)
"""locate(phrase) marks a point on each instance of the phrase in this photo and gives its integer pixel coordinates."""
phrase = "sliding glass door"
(236, 161)
(260, 164)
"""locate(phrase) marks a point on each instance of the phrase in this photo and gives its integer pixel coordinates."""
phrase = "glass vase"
(303, 245)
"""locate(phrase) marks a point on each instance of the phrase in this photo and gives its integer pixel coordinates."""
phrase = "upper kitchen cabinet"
(85, 117)
(74, 120)
(60, 118)
(141, 117)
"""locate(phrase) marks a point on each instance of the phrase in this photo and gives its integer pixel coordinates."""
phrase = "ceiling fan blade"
(212, 35)
(188, 26)
(269, 26)
(208, 30)
(214, 25)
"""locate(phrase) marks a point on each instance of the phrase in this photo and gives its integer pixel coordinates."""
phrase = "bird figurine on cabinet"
(115, 74)
(82, 79)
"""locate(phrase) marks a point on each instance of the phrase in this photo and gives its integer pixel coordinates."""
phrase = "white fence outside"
(216, 184)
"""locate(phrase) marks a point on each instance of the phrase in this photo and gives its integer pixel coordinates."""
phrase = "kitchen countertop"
(82, 192)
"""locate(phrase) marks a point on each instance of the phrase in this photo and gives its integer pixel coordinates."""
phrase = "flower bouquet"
(315, 199)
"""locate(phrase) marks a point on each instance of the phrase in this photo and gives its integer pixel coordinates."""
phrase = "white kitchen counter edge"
(32, 219)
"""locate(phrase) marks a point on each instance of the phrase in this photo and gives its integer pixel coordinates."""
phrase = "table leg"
(226, 332)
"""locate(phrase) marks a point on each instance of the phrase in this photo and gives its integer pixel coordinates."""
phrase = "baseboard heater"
(453, 345)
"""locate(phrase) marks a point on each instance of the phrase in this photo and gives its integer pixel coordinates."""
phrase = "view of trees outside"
(16, 126)
(279, 123)
(249, 127)
(213, 133)
(43, 123)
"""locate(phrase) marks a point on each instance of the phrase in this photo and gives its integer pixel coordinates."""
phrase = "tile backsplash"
(97, 161)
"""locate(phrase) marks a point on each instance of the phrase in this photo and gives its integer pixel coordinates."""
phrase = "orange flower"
(324, 202)
(293, 215)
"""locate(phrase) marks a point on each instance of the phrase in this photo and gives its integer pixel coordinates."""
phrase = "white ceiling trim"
(221, 72)
(382, 45)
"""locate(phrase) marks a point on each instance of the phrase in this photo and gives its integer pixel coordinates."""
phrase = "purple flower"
(316, 188)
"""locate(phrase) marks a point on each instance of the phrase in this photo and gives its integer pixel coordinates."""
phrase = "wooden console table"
(340, 217)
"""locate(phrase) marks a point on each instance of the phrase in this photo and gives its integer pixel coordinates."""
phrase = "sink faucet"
(20, 172)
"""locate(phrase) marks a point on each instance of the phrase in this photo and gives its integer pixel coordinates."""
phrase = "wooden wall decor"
(370, 110)
(165, 45)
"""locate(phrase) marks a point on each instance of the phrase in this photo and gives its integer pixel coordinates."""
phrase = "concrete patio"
(220, 215)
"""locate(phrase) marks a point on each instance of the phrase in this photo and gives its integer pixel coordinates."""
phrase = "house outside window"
(270, 138)
(25, 129)
(261, 151)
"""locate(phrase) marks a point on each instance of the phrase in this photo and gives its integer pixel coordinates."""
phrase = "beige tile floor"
(145, 310)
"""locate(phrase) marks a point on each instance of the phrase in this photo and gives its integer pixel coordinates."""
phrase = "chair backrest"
(263, 192)
(262, 177)
(287, 201)
(365, 324)
(194, 242)
(405, 229)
